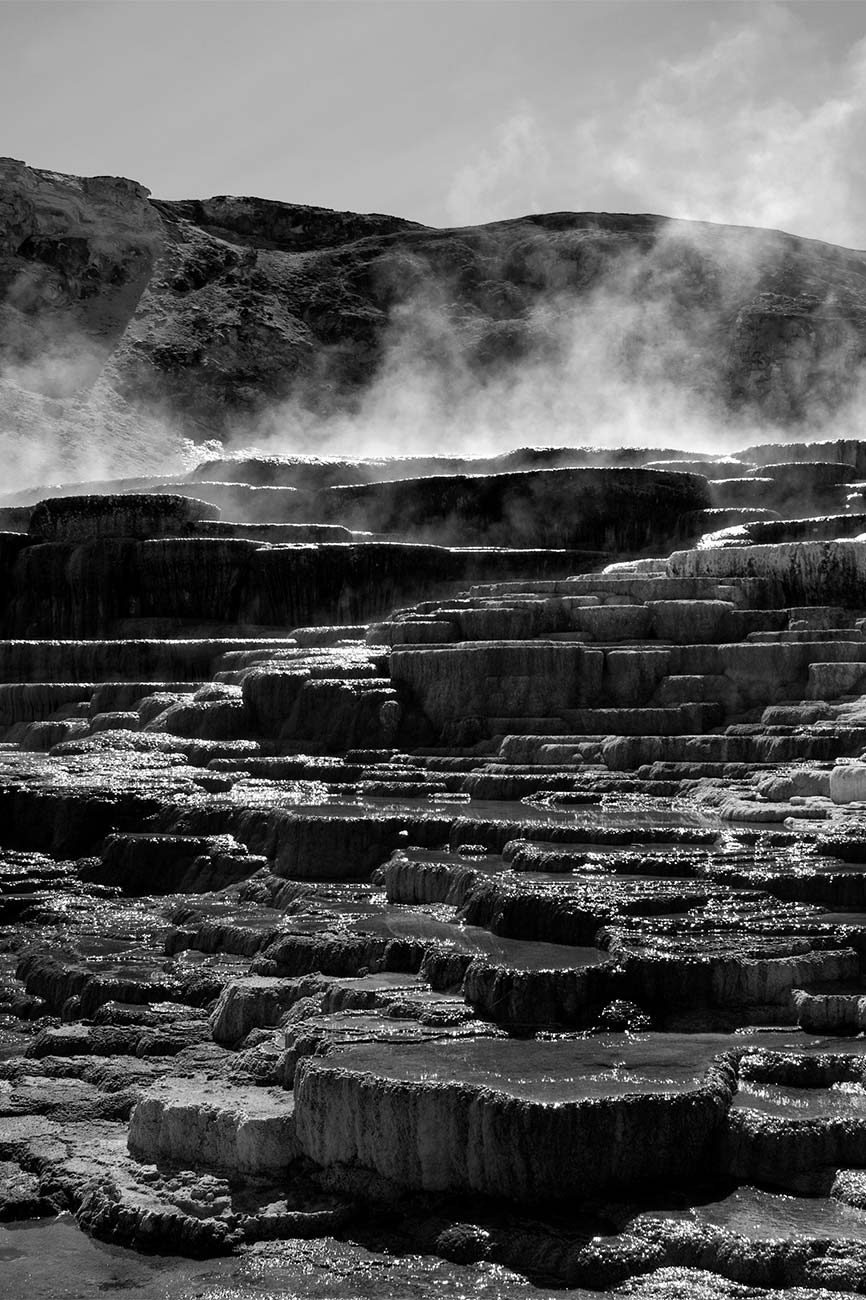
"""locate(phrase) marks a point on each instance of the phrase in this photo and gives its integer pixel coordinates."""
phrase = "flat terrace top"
(766, 1216)
(611, 1066)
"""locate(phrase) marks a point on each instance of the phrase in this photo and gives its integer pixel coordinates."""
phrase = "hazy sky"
(455, 111)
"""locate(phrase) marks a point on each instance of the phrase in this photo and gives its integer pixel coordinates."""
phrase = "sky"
(454, 112)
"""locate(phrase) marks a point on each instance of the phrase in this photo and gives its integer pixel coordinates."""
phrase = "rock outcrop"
(452, 1121)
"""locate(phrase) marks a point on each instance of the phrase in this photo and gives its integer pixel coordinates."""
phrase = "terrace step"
(833, 681)
(808, 634)
(664, 721)
(834, 1010)
(228, 1127)
(626, 753)
(37, 701)
(98, 661)
(504, 1135)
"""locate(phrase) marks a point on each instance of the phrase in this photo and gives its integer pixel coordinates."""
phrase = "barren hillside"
(127, 323)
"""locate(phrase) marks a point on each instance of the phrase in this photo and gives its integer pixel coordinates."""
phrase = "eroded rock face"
(807, 573)
(247, 1131)
(78, 519)
(464, 1135)
(549, 508)
(122, 585)
(77, 256)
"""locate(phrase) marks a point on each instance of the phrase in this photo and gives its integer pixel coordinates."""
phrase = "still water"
(50, 1259)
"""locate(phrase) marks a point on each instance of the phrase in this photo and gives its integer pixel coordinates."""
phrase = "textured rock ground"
(496, 912)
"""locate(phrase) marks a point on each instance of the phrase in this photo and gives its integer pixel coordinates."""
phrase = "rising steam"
(613, 341)
(557, 336)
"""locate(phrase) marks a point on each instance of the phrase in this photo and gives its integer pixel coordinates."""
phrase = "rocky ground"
(387, 916)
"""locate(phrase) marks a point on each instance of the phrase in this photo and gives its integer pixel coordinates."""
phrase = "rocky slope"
(127, 322)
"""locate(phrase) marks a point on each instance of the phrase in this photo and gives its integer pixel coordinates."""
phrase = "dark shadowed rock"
(78, 519)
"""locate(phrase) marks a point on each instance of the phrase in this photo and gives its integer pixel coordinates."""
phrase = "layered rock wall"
(452, 1137)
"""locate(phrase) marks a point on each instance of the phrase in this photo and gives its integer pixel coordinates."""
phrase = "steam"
(518, 336)
(62, 414)
(634, 352)
(601, 340)
(90, 436)
(715, 136)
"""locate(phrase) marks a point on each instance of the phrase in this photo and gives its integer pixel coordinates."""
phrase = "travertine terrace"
(454, 861)
(464, 858)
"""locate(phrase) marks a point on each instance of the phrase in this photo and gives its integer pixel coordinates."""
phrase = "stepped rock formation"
(448, 859)
(500, 899)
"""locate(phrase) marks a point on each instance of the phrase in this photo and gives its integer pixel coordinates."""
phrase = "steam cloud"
(592, 349)
(706, 138)
(711, 137)
(612, 347)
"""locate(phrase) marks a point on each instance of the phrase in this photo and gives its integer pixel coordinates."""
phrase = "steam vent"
(440, 868)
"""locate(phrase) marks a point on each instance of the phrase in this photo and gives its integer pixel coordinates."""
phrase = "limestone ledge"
(194, 1121)
(447, 1135)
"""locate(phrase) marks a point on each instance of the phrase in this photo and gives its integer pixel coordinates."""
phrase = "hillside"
(129, 323)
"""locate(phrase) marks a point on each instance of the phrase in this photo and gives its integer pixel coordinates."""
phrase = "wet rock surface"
(478, 928)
